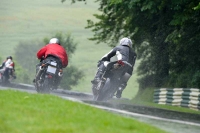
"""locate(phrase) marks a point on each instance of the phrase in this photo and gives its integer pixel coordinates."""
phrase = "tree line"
(166, 37)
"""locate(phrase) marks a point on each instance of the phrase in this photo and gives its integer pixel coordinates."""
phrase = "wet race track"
(170, 121)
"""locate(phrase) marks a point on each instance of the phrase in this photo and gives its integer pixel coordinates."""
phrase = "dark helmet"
(54, 40)
(9, 57)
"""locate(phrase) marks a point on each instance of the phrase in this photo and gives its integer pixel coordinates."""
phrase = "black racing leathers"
(124, 53)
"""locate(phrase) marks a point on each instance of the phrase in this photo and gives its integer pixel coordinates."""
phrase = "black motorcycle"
(6, 76)
(48, 76)
(106, 88)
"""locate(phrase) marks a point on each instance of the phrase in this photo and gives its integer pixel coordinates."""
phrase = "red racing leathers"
(56, 50)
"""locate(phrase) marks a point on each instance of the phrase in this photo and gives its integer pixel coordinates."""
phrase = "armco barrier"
(184, 97)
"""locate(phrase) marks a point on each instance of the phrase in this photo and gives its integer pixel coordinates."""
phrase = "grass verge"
(40, 113)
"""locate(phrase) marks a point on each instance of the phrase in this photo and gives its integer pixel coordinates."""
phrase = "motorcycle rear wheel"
(3, 80)
(108, 91)
(45, 88)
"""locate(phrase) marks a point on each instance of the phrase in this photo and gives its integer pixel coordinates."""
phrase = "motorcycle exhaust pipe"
(60, 73)
(41, 68)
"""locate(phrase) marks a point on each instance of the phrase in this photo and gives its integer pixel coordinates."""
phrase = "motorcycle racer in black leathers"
(123, 53)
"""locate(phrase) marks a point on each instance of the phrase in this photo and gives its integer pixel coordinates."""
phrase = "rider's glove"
(120, 62)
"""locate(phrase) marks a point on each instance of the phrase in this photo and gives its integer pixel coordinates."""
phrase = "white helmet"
(126, 41)
(54, 40)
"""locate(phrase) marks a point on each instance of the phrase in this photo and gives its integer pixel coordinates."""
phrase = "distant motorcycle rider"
(9, 68)
(121, 53)
(53, 51)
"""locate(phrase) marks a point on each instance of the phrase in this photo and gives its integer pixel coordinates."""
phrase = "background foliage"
(28, 50)
(166, 35)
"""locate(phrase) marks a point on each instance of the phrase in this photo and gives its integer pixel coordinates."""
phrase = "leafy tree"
(71, 77)
(171, 28)
(23, 76)
(25, 54)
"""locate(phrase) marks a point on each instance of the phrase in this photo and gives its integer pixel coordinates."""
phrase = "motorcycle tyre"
(3, 80)
(96, 88)
(38, 89)
(46, 86)
(107, 92)
(94, 92)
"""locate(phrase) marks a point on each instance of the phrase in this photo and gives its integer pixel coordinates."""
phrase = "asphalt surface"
(163, 113)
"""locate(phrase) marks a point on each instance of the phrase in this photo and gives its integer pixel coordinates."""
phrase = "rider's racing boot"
(119, 91)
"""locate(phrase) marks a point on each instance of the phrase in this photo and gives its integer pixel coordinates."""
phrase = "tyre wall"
(184, 97)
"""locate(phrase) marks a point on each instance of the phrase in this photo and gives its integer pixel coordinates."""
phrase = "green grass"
(22, 20)
(39, 113)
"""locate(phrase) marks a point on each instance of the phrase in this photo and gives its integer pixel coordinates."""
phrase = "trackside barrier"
(184, 97)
